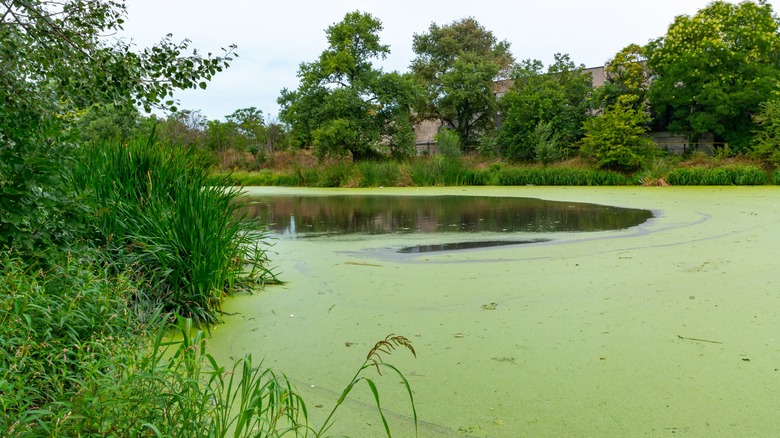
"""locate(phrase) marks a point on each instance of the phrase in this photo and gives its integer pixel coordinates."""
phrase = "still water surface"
(315, 216)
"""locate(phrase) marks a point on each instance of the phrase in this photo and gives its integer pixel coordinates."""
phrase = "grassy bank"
(468, 171)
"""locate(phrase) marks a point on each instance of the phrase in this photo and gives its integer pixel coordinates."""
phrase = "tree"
(276, 135)
(767, 136)
(712, 71)
(617, 138)
(250, 125)
(345, 106)
(108, 122)
(182, 128)
(56, 59)
(558, 97)
(458, 64)
(626, 73)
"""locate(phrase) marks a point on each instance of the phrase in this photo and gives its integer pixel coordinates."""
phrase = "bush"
(60, 330)
(767, 137)
(616, 139)
(546, 143)
(38, 209)
(448, 143)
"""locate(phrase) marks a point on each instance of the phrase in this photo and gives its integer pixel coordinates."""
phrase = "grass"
(471, 170)
(560, 176)
(734, 174)
(162, 215)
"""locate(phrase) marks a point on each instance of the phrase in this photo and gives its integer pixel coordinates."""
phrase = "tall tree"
(458, 64)
(626, 73)
(558, 100)
(250, 125)
(346, 106)
(713, 70)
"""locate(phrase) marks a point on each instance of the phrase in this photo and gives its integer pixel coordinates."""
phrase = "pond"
(669, 326)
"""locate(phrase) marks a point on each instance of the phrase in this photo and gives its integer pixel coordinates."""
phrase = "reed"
(559, 176)
(160, 213)
(736, 174)
(374, 360)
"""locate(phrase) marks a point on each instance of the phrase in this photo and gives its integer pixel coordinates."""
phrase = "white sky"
(273, 38)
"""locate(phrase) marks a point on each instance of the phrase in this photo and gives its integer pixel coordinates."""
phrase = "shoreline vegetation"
(156, 244)
(300, 169)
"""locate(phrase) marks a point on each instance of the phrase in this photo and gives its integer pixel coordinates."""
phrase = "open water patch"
(318, 216)
(416, 249)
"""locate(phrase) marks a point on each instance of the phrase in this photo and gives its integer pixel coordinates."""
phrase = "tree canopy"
(346, 106)
(558, 98)
(457, 64)
(714, 69)
(626, 73)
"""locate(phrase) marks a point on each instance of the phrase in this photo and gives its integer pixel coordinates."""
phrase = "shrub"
(767, 137)
(448, 143)
(546, 143)
(616, 139)
(60, 329)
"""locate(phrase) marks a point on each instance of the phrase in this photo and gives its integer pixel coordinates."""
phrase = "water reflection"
(311, 216)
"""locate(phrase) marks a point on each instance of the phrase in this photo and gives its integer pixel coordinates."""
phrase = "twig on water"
(699, 340)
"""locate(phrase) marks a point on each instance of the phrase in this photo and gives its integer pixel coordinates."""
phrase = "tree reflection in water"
(311, 216)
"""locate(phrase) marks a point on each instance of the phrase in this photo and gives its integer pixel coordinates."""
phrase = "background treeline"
(713, 79)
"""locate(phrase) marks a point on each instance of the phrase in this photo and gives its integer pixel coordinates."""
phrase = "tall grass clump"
(559, 176)
(338, 174)
(736, 174)
(656, 172)
(388, 173)
(161, 214)
(264, 177)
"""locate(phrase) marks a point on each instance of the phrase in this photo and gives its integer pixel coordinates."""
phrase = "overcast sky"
(274, 37)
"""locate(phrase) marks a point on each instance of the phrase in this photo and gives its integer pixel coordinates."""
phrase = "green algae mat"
(668, 327)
